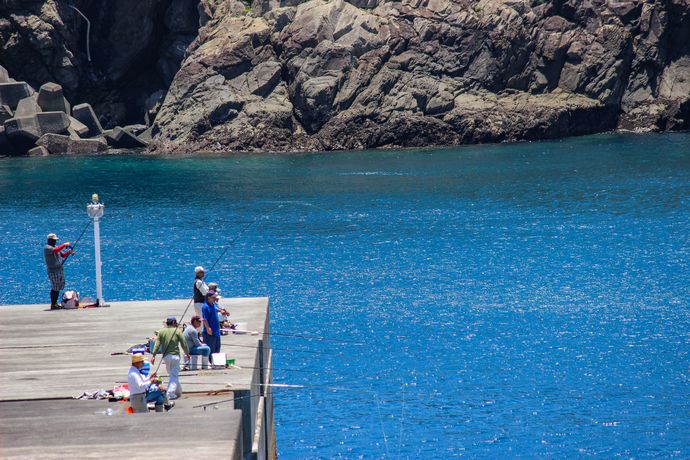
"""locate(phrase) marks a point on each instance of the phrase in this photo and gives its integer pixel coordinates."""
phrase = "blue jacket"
(211, 317)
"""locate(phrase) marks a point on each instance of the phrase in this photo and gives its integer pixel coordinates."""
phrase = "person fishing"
(211, 330)
(55, 257)
(144, 389)
(169, 340)
(200, 290)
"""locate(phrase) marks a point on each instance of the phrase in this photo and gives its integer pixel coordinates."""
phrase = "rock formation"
(283, 75)
(321, 75)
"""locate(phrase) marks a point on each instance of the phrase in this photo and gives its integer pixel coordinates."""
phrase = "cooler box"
(218, 360)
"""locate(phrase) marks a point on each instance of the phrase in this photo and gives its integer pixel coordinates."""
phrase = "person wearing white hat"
(200, 290)
(55, 257)
(142, 389)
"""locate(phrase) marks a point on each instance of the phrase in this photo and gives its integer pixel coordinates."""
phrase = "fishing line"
(325, 339)
(383, 430)
(76, 242)
(227, 248)
(288, 349)
(402, 418)
(306, 337)
(303, 371)
(277, 386)
(188, 374)
(239, 398)
(222, 254)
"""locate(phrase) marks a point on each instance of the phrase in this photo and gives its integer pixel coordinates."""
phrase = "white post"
(97, 245)
(95, 211)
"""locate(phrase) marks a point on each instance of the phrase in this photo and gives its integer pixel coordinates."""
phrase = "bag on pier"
(70, 299)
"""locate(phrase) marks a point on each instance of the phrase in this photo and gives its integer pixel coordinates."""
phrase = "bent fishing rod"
(72, 246)
(227, 248)
(222, 254)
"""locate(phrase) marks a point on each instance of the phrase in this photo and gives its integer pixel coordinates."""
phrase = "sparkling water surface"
(526, 300)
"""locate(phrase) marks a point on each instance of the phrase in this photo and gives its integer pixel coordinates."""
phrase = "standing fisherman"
(168, 343)
(211, 332)
(200, 290)
(55, 257)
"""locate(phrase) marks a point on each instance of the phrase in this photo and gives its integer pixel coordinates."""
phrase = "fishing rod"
(215, 373)
(287, 349)
(307, 337)
(303, 371)
(72, 246)
(227, 248)
(239, 398)
(222, 254)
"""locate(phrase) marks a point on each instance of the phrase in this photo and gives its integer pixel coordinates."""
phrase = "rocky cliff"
(286, 75)
(120, 56)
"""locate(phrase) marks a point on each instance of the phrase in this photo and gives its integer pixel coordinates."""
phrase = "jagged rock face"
(368, 73)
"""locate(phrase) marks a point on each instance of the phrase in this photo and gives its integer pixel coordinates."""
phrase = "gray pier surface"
(49, 357)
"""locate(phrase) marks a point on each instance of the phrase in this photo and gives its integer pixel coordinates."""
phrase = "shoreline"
(144, 152)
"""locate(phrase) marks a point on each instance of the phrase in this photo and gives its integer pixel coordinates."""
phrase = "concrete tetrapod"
(23, 132)
(13, 92)
(80, 128)
(50, 98)
(85, 114)
(28, 107)
(121, 139)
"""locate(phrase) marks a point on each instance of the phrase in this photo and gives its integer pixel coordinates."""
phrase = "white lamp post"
(95, 211)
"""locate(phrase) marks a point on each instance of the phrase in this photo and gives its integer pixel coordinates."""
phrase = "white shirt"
(136, 382)
(201, 286)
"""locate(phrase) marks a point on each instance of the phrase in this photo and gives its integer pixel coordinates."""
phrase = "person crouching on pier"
(143, 390)
(168, 342)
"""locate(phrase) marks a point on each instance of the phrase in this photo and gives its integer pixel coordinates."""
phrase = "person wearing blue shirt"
(211, 324)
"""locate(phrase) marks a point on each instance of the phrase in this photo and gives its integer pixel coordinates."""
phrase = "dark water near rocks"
(523, 300)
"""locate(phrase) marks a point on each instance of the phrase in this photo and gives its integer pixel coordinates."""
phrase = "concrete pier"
(49, 357)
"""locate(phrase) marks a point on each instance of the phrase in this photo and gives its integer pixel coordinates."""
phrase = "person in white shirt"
(200, 290)
(143, 390)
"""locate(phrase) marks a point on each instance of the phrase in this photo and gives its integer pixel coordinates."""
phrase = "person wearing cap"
(168, 342)
(196, 348)
(143, 390)
(200, 290)
(223, 315)
(211, 332)
(55, 257)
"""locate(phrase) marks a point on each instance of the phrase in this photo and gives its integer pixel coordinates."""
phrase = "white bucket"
(218, 360)
(240, 328)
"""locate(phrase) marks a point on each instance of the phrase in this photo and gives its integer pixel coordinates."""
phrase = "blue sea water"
(527, 300)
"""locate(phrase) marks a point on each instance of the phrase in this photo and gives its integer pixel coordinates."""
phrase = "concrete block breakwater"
(44, 123)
